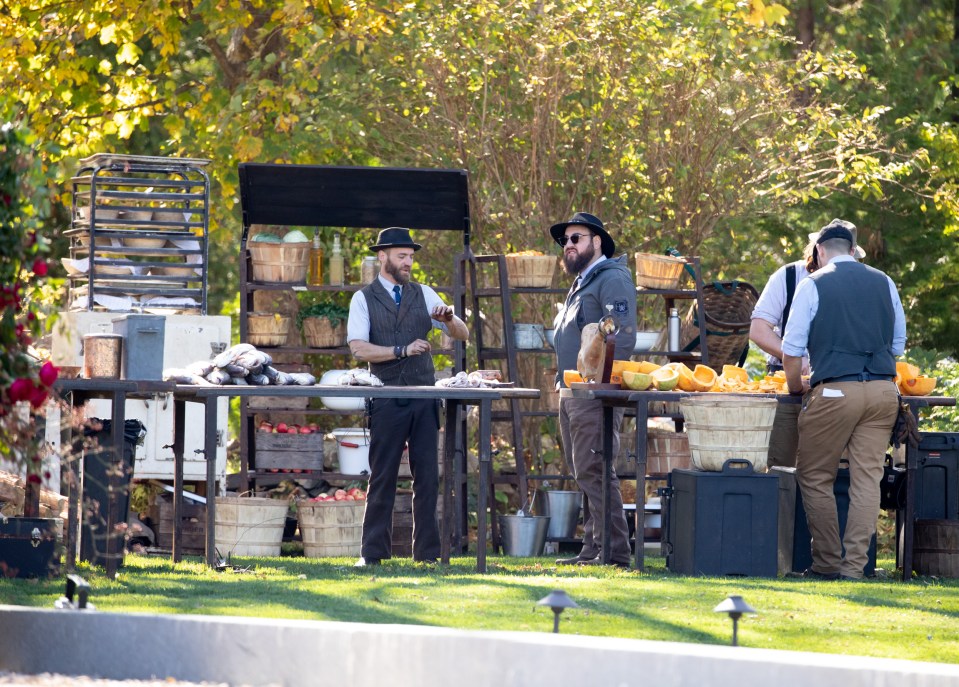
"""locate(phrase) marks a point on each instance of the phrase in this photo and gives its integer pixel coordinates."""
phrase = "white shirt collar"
(590, 267)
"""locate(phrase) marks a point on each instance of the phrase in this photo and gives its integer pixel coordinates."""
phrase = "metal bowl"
(645, 341)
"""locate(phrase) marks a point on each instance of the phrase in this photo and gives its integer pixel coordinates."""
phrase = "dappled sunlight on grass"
(872, 617)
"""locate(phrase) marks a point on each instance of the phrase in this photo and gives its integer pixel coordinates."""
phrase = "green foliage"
(24, 383)
(946, 370)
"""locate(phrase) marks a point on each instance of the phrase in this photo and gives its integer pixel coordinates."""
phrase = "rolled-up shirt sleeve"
(899, 322)
(804, 308)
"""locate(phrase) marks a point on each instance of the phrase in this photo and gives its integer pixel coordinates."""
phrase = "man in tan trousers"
(850, 319)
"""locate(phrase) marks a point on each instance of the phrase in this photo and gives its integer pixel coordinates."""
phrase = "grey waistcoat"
(392, 326)
(852, 330)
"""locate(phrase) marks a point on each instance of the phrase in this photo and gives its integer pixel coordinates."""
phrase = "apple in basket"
(266, 426)
(357, 494)
(281, 427)
(339, 495)
(306, 430)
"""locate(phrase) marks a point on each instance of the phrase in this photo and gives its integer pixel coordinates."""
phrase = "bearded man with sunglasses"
(603, 286)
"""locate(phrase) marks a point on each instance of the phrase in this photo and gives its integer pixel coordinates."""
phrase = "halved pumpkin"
(735, 373)
(685, 376)
(616, 372)
(918, 386)
(704, 378)
(637, 381)
(904, 372)
(665, 378)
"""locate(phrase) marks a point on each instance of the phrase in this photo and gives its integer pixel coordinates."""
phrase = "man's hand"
(442, 313)
(419, 347)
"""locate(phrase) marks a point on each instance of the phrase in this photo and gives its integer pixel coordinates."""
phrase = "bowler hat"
(395, 237)
(608, 246)
(839, 229)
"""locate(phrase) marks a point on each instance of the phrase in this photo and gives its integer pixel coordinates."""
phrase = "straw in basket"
(531, 270)
(319, 333)
(658, 271)
(721, 428)
(268, 329)
(729, 307)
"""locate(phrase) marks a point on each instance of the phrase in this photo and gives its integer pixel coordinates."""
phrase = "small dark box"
(722, 523)
(28, 547)
(937, 477)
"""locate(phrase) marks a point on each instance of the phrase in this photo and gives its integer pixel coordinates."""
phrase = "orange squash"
(918, 386)
(686, 382)
(571, 376)
(704, 378)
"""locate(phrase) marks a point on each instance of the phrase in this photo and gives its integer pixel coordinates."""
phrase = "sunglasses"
(572, 238)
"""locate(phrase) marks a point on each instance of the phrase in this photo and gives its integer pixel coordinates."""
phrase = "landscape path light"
(557, 600)
(735, 607)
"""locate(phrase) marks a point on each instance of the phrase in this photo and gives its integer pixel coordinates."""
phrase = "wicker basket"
(721, 428)
(319, 333)
(268, 329)
(729, 307)
(279, 262)
(658, 271)
(531, 270)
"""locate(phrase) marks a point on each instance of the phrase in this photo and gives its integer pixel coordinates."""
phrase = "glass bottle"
(316, 260)
(336, 263)
(369, 268)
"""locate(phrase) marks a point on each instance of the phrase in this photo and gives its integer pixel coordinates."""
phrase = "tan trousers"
(854, 418)
(784, 438)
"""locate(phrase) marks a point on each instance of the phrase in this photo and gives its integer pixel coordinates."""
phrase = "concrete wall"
(243, 651)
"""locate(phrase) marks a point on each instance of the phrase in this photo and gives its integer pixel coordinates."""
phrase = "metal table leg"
(179, 431)
(642, 420)
(449, 501)
(209, 454)
(114, 540)
(485, 464)
(607, 481)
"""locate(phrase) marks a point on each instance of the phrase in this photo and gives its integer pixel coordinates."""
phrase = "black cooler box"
(937, 476)
(722, 523)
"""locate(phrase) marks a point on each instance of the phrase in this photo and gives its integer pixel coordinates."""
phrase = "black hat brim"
(607, 245)
(414, 246)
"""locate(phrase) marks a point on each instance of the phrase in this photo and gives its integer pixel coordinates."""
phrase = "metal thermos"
(673, 329)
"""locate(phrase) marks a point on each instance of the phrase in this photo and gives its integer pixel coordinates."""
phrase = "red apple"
(266, 426)
(349, 497)
(281, 427)
(315, 427)
(306, 430)
(359, 496)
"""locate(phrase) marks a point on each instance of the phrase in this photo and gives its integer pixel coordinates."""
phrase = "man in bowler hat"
(388, 324)
(603, 286)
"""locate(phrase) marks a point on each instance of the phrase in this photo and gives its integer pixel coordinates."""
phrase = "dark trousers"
(393, 423)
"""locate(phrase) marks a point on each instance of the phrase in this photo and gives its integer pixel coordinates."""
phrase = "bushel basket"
(319, 333)
(279, 262)
(658, 271)
(729, 308)
(723, 427)
(531, 270)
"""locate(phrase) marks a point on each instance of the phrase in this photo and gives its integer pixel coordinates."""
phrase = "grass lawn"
(879, 617)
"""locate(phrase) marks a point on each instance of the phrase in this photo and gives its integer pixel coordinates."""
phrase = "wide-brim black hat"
(608, 246)
(395, 237)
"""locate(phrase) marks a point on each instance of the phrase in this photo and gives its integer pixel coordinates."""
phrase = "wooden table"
(454, 398)
(640, 400)
(79, 391)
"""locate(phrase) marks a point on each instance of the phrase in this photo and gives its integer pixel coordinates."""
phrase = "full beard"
(400, 277)
(574, 263)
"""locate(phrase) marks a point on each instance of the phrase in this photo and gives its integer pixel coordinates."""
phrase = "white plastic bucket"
(353, 450)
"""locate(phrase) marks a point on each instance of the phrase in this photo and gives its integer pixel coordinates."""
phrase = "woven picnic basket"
(729, 307)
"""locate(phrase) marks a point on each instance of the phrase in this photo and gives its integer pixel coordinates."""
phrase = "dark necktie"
(397, 294)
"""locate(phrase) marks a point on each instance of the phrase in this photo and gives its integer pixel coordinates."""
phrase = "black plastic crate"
(28, 547)
(937, 476)
(801, 545)
(722, 523)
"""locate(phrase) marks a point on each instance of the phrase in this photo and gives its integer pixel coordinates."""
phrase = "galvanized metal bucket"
(101, 355)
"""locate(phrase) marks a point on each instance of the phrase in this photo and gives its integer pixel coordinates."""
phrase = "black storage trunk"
(801, 547)
(28, 547)
(937, 476)
(722, 523)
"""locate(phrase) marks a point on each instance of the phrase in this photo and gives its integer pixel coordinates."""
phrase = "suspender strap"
(790, 290)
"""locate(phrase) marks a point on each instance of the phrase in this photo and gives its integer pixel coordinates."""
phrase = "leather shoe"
(810, 574)
(575, 560)
(599, 561)
(367, 562)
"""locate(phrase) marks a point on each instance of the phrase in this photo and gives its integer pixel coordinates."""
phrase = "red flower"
(37, 397)
(20, 390)
(40, 267)
(48, 373)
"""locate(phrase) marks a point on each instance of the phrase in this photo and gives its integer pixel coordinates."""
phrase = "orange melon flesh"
(665, 378)
(685, 376)
(919, 386)
(647, 367)
(570, 376)
(735, 372)
(704, 378)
